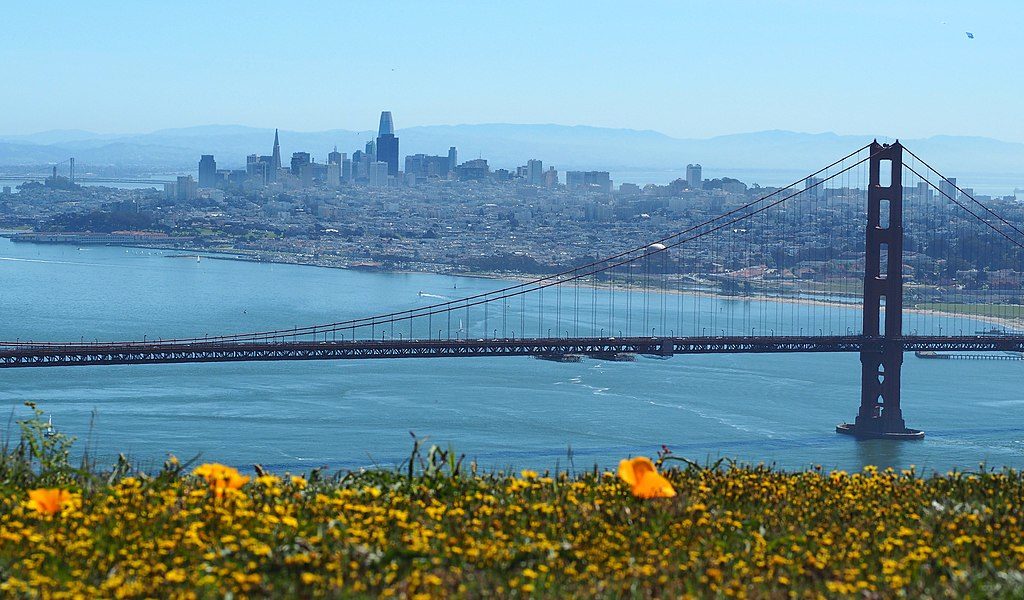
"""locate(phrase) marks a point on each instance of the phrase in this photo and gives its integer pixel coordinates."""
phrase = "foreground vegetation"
(438, 528)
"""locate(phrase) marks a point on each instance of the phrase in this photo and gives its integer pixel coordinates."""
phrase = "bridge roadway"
(87, 180)
(29, 354)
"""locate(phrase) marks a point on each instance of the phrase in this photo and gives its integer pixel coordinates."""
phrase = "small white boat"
(198, 258)
(49, 431)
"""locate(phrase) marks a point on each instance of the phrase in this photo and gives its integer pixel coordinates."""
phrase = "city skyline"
(694, 70)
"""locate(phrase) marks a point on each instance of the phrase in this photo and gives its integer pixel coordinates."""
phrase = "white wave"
(718, 418)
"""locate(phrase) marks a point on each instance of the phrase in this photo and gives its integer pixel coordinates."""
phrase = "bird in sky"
(970, 35)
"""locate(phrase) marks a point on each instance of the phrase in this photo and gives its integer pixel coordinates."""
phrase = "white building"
(377, 173)
(694, 177)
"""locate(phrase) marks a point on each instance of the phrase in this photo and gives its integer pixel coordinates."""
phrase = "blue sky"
(688, 69)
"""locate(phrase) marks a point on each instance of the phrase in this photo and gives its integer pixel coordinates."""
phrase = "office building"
(815, 186)
(256, 169)
(335, 158)
(332, 174)
(276, 155)
(535, 172)
(387, 143)
(475, 169)
(694, 179)
(207, 171)
(299, 160)
(183, 189)
(453, 159)
(424, 166)
(581, 180)
(275, 160)
(378, 174)
(360, 165)
(947, 189)
(346, 170)
(551, 178)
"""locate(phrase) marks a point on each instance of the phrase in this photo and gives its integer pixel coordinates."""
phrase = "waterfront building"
(694, 177)
(387, 143)
(207, 171)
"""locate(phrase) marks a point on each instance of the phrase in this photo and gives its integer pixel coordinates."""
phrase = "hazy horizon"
(690, 71)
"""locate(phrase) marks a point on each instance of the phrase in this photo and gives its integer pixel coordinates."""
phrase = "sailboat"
(49, 431)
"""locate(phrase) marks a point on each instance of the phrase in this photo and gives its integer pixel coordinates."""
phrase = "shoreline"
(244, 256)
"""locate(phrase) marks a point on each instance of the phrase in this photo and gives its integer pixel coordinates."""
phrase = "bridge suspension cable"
(574, 275)
(963, 193)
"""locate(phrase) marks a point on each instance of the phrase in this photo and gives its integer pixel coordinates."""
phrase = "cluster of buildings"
(376, 165)
(433, 213)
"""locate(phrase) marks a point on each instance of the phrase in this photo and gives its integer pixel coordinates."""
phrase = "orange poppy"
(644, 478)
(48, 501)
(221, 477)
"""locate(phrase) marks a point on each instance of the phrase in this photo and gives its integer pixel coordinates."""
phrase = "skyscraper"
(378, 174)
(277, 153)
(387, 143)
(816, 186)
(299, 160)
(947, 189)
(534, 172)
(334, 158)
(694, 179)
(453, 159)
(207, 171)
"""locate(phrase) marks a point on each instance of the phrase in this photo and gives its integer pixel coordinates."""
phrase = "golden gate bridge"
(664, 297)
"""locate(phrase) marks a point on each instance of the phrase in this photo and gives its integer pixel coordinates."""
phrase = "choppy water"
(517, 412)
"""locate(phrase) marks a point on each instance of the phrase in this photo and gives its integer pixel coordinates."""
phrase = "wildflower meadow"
(439, 527)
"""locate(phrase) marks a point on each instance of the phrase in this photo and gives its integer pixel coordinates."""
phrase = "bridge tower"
(880, 415)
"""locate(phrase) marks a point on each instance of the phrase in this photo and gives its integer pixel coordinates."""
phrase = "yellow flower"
(221, 477)
(645, 480)
(49, 501)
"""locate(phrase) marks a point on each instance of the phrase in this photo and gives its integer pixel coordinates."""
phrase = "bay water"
(502, 412)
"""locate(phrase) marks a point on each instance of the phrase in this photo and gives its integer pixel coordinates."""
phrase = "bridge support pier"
(881, 358)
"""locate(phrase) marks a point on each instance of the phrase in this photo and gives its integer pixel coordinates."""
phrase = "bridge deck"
(53, 355)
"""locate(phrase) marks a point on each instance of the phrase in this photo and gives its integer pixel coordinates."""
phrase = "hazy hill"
(504, 145)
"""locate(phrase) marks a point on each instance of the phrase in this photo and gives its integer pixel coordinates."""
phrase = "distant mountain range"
(504, 145)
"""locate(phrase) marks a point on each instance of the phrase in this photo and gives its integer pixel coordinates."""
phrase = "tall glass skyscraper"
(387, 143)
